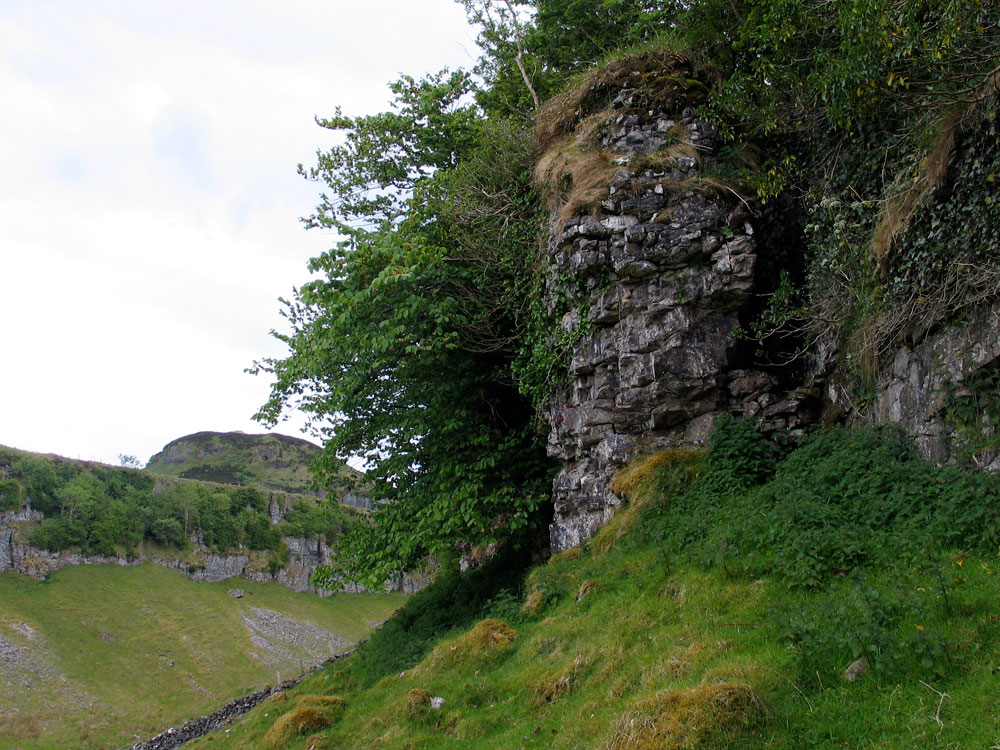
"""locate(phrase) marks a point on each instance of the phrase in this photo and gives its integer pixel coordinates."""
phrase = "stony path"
(203, 725)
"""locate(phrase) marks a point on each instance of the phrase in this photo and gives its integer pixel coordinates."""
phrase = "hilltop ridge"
(271, 461)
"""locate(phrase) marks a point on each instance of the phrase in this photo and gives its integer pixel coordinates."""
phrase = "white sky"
(149, 203)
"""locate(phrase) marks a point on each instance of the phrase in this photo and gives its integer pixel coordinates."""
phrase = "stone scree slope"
(656, 276)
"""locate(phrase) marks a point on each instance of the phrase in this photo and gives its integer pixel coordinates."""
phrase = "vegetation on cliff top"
(841, 595)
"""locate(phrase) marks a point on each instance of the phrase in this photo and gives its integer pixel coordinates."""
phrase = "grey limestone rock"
(676, 264)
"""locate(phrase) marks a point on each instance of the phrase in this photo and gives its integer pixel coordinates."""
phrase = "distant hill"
(276, 462)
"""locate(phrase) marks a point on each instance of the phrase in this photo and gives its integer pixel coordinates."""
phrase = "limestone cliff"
(652, 272)
(198, 563)
(657, 276)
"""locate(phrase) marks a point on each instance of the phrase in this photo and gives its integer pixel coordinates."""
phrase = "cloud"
(149, 203)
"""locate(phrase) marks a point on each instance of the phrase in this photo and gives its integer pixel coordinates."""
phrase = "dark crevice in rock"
(779, 236)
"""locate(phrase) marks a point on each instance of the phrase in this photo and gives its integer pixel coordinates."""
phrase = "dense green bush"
(842, 500)
(324, 520)
(11, 493)
(738, 453)
(868, 538)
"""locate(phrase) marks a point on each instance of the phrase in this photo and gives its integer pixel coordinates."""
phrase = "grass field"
(100, 656)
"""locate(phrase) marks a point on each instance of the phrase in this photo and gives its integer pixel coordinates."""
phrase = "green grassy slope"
(99, 655)
(698, 619)
(276, 462)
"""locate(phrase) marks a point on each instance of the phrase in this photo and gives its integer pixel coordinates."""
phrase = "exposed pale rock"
(676, 267)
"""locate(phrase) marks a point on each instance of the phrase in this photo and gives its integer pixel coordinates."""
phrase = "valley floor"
(103, 656)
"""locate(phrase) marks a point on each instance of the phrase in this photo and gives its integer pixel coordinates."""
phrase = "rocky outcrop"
(916, 390)
(657, 278)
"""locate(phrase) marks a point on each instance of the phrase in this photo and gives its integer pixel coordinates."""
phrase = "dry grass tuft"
(637, 483)
(677, 719)
(667, 78)
(682, 664)
(310, 713)
(573, 171)
(552, 686)
(666, 158)
(318, 742)
(533, 603)
(930, 174)
(574, 177)
(486, 638)
(636, 480)
(417, 699)
(489, 635)
(585, 589)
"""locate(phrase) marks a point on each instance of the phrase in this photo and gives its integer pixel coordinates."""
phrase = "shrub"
(10, 494)
(738, 452)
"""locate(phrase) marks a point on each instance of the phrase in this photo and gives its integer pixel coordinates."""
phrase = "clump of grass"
(639, 478)
(487, 638)
(487, 635)
(932, 170)
(573, 171)
(420, 709)
(318, 742)
(551, 686)
(310, 713)
(685, 718)
(640, 482)
(417, 699)
(575, 176)
(666, 76)
(683, 662)
(585, 589)
(534, 602)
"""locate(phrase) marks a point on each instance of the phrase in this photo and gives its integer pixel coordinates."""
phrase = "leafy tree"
(40, 482)
(168, 531)
(401, 351)
(10, 494)
(78, 496)
(529, 49)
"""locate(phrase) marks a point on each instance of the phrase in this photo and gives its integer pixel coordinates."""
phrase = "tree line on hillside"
(103, 510)
(423, 343)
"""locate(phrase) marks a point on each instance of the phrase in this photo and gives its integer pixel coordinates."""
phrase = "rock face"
(914, 391)
(656, 278)
(650, 282)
